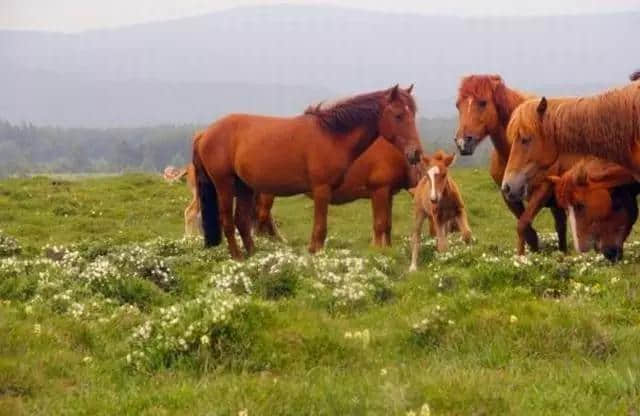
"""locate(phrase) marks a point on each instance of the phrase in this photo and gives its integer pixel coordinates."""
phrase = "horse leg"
(462, 224)
(190, 214)
(380, 204)
(529, 234)
(536, 202)
(441, 236)
(432, 228)
(244, 214)
(321, 197)
(418, 220)
(266, 225)
(224, 187)
(560, 217)
(389, 216)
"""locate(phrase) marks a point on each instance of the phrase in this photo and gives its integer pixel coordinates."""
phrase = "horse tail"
(206, 191)
(635, 76)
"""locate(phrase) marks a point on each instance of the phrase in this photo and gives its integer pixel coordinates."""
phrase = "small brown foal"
(438, 198)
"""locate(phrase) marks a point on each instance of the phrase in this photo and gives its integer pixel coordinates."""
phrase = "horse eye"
(525, 140)
(399, 117)
(482, 103)
(458, 105)
(579, 206)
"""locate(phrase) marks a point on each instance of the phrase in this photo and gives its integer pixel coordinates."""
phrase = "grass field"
(105, 309)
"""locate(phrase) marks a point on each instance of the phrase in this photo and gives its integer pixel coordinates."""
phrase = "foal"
(438, 198)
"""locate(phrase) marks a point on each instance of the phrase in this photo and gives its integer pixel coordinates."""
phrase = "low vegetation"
(106, 309)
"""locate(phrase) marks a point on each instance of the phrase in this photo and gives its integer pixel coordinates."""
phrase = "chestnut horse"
(485, 105)
(541, 130)
(600, 198)
(378, 174)
(242, 154)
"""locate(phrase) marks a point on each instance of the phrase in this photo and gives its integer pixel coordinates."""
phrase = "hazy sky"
(77, 15)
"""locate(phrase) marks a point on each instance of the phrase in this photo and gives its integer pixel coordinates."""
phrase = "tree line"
(28, 149)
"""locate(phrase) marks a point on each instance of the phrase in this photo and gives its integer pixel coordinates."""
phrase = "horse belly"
(272, 171)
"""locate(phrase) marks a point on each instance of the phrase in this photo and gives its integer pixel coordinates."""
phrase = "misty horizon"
(279, 59)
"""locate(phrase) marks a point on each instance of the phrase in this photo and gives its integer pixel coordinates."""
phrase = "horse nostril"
(506, 188)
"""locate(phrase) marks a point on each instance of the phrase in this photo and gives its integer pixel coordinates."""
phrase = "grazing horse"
(600, 198)
(241, 154)
(378, 174)
(172, 174)
(485, 105)
(605, 125)
(192, 217)
(438, 198)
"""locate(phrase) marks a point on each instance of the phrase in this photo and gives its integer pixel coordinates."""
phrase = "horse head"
(397, 122)
(601, 205)
(482, 109)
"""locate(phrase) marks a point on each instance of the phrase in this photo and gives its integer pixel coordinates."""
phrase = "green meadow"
(106, 309)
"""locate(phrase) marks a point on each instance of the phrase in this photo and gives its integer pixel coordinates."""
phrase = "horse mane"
(635, 76)
(569, 181)
(482, 86)
(604, 125)
(363, 109)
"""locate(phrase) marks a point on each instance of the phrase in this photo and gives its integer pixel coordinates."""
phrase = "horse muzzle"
(466, 145)
(514, 187)
(413, 156)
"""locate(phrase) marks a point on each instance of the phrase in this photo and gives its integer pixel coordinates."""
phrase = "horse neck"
(499, 133)
(358, 140)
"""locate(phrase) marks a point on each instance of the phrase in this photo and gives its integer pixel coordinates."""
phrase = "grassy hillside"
(105, 309)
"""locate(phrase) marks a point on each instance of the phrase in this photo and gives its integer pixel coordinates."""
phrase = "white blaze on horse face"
(469, 104)
(574, 229)
(432, 172)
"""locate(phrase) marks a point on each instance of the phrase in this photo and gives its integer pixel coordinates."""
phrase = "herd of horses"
(578, 156)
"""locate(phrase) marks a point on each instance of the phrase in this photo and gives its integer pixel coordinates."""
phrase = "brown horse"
(541, 130)
(600, 198)
(438, 198)
(378, 174)
(485, 105)
(242, 154)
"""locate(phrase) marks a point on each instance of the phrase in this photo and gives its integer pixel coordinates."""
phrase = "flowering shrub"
(8, 245)
(347, 279)
(143, 263)
(196, 324)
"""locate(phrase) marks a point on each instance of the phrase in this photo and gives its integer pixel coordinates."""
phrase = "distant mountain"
(279, 59)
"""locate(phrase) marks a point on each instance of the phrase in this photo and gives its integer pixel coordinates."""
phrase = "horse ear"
(449, 159)
(410, 89)
(394, 93)
(542, 106)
